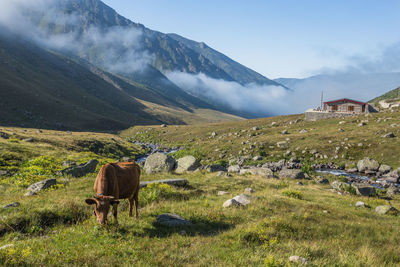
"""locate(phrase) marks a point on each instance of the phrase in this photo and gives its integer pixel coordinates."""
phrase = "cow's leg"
(115, 213)
(130, 206)
(136, 200)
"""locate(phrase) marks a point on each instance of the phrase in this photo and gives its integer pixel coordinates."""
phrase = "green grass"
(56, 227)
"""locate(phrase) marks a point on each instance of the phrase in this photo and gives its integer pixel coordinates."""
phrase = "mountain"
(107, 38)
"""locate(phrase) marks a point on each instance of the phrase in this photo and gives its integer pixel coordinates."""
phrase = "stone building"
(339, 108)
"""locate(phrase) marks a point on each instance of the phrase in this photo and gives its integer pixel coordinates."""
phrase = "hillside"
(284, 217)
(393, 94)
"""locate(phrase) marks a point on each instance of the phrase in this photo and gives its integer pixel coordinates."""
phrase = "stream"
(359, 178)
(153, 148)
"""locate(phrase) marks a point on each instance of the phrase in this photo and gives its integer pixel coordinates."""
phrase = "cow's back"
(128, 177)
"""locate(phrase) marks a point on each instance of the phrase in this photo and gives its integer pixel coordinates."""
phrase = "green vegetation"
(393, 94)
(283, 219)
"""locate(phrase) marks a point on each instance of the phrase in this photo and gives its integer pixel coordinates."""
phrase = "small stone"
(183, 232)
(171, 220)
(342, 122)
(360, 204)
(298, 259)
(326, 211)
(386, 209)
(163, 125)
(7, 246)
(257, 158)
(300, 183)
(221, 193)
(28, 140)
(255, 128)
(285, 132)
(303, 131)
(12, 205)
(323, 181)
(249, 190)
(388, 135)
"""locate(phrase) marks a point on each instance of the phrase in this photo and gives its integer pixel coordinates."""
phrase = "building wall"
(343, 107)
(320, 115)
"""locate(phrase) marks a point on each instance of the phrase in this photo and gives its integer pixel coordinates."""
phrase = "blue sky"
(286, 38)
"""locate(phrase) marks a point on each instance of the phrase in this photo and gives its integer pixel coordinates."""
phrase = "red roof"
(345, 100)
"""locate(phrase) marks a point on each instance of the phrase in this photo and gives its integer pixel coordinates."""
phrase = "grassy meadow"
(56, 227)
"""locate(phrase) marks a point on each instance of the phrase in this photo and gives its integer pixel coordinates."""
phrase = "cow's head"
(101, 206)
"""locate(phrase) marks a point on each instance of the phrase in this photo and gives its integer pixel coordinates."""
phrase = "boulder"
(367, 164)
(364, 189)
(82, 169)
(231, 203)
(185, 164)
(243, 199)
(42, 185)
(159, 162)
(384, 168)
(386, 209)
(215, 168)
(171, 220)
(12, 205)
(292, 174)
(234, 169)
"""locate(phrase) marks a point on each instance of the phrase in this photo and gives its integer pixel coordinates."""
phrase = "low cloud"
(117, 49)
(261, 100)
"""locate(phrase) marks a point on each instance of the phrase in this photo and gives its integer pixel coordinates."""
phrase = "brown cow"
(115, 181)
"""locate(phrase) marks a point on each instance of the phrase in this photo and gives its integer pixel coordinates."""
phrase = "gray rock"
(367, 164)
(172, 220)
(222, 174)
(68, 163)
(300, 183)
(243, 199)
(388, 135)
(3, 173)
(185, 164)
(384, 168)
(174, 182)
(265, 172)
(163, 125)
(337, 185)
(323, 181)
(257, 158)
(231, 203)
(292, 174)
(249, 190)
(298, 260)
(28, 140)
(159, 162)
(12, 205)
(364, 189)
(282, 144)
(42, 185)
(221, 193)
(285, 132)
(82, 169)
(4, 135)
(215, 168)
(256, 128)
(360, 204)
(234, 169)
(29, 194)
(303, 131)
(386, 209)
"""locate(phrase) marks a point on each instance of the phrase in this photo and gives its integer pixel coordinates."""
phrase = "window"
(350, 108)
(334, 107)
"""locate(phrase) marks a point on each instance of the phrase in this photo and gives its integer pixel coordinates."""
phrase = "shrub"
(188, 152)
(154, 192)
(292, 194)
(306, 167)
